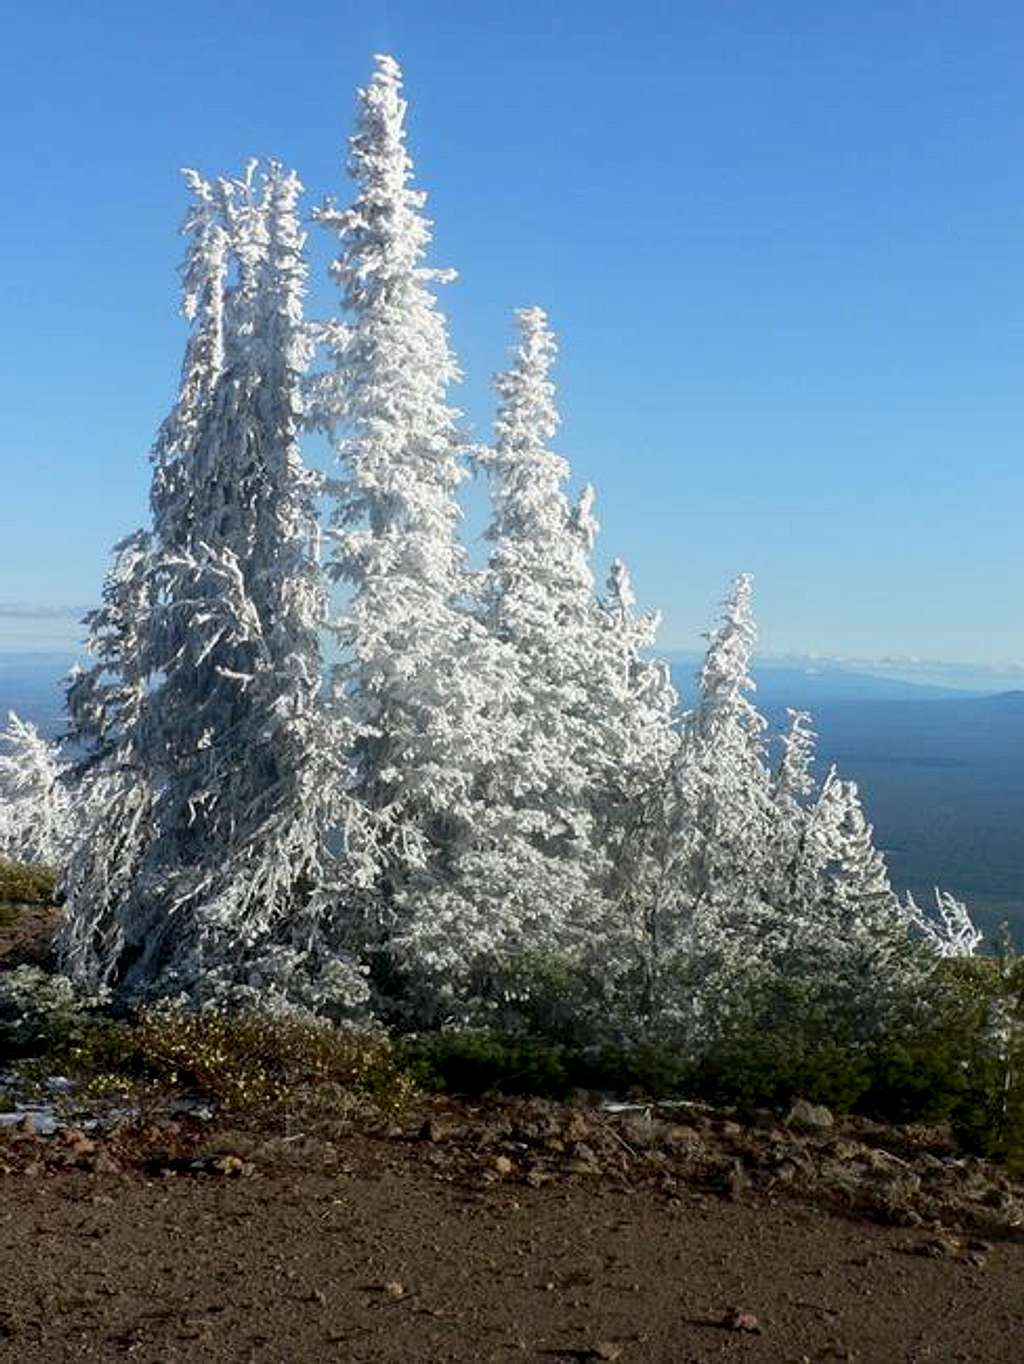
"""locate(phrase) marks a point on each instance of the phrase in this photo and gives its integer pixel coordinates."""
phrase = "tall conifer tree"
(419, 680)
(212, 623)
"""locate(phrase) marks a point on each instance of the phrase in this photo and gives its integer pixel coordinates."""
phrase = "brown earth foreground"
(512, 1230)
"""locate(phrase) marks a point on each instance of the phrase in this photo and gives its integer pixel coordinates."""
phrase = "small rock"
(681, 1135)
(578, 1127)
(808, 1117)
(318, 1296)
(938, 1247)
(27, 1125)
(736, 1319)
(606, 1349)
(841, 1149)
(976, 1258)
(581, 1167)
(737, 1181)
(730, 1130)
(103, 1163)
(431, 1131)
(394, 1289)
(232, 1165)
(503, 1165)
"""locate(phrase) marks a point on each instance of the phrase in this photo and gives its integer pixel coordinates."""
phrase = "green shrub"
(475, 1062)
(26, 885)
(648, 1070)
(472, 1063)
(239, 1060)
(40, 1012)
(765, 1070)
(916, 1079)
(989, 1120)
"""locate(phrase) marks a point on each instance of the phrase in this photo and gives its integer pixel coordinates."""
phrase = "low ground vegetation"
(958, 1061)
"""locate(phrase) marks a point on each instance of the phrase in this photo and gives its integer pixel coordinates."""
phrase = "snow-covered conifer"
(222, 732)
(721, 779)
(419, 678)
(35, 812)
(590, 720)
(537, 598)
(861, 882)
(950, 932)
(792, 788)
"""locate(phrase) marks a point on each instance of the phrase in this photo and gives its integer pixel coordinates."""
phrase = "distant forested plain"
(941, 774)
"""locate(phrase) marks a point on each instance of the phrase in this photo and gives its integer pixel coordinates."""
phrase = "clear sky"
(782, 244)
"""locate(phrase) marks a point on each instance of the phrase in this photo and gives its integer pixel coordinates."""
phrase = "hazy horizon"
(55, 632)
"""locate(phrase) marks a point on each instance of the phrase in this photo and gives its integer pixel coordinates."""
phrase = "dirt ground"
(398, 1247)
(506, 1230)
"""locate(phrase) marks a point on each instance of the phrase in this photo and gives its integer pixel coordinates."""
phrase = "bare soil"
(446, 1237)
(518, 1230)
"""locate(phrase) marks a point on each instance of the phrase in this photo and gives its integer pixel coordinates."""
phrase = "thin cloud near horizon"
(33, 611)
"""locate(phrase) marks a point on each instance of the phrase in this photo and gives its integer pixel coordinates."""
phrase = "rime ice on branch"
(35, 812)
(420, 683)
(207, 742)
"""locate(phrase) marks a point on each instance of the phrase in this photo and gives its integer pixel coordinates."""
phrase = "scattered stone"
(581, 1167)
(841, 1149)
(606, 1349)
(232, 1165)
(681, 1135)
(503, 1165)
(431, 1131)
(940, 1247)
(394, 1289)
(319, 1297)
(103, 1163)
(737, 1181)
(737, 1319)
(808, 1117)
(76, 1138)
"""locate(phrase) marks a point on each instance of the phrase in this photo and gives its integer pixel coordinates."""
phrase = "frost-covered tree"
(950, 931)
(722, 784)
(35, 811)
(792, 787)
(419, 679)
(113, 789)
(636, 817)
(588, 725)
(541, 866)
(209, 735)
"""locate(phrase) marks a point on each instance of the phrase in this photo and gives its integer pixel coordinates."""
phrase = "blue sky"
(783, 247)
